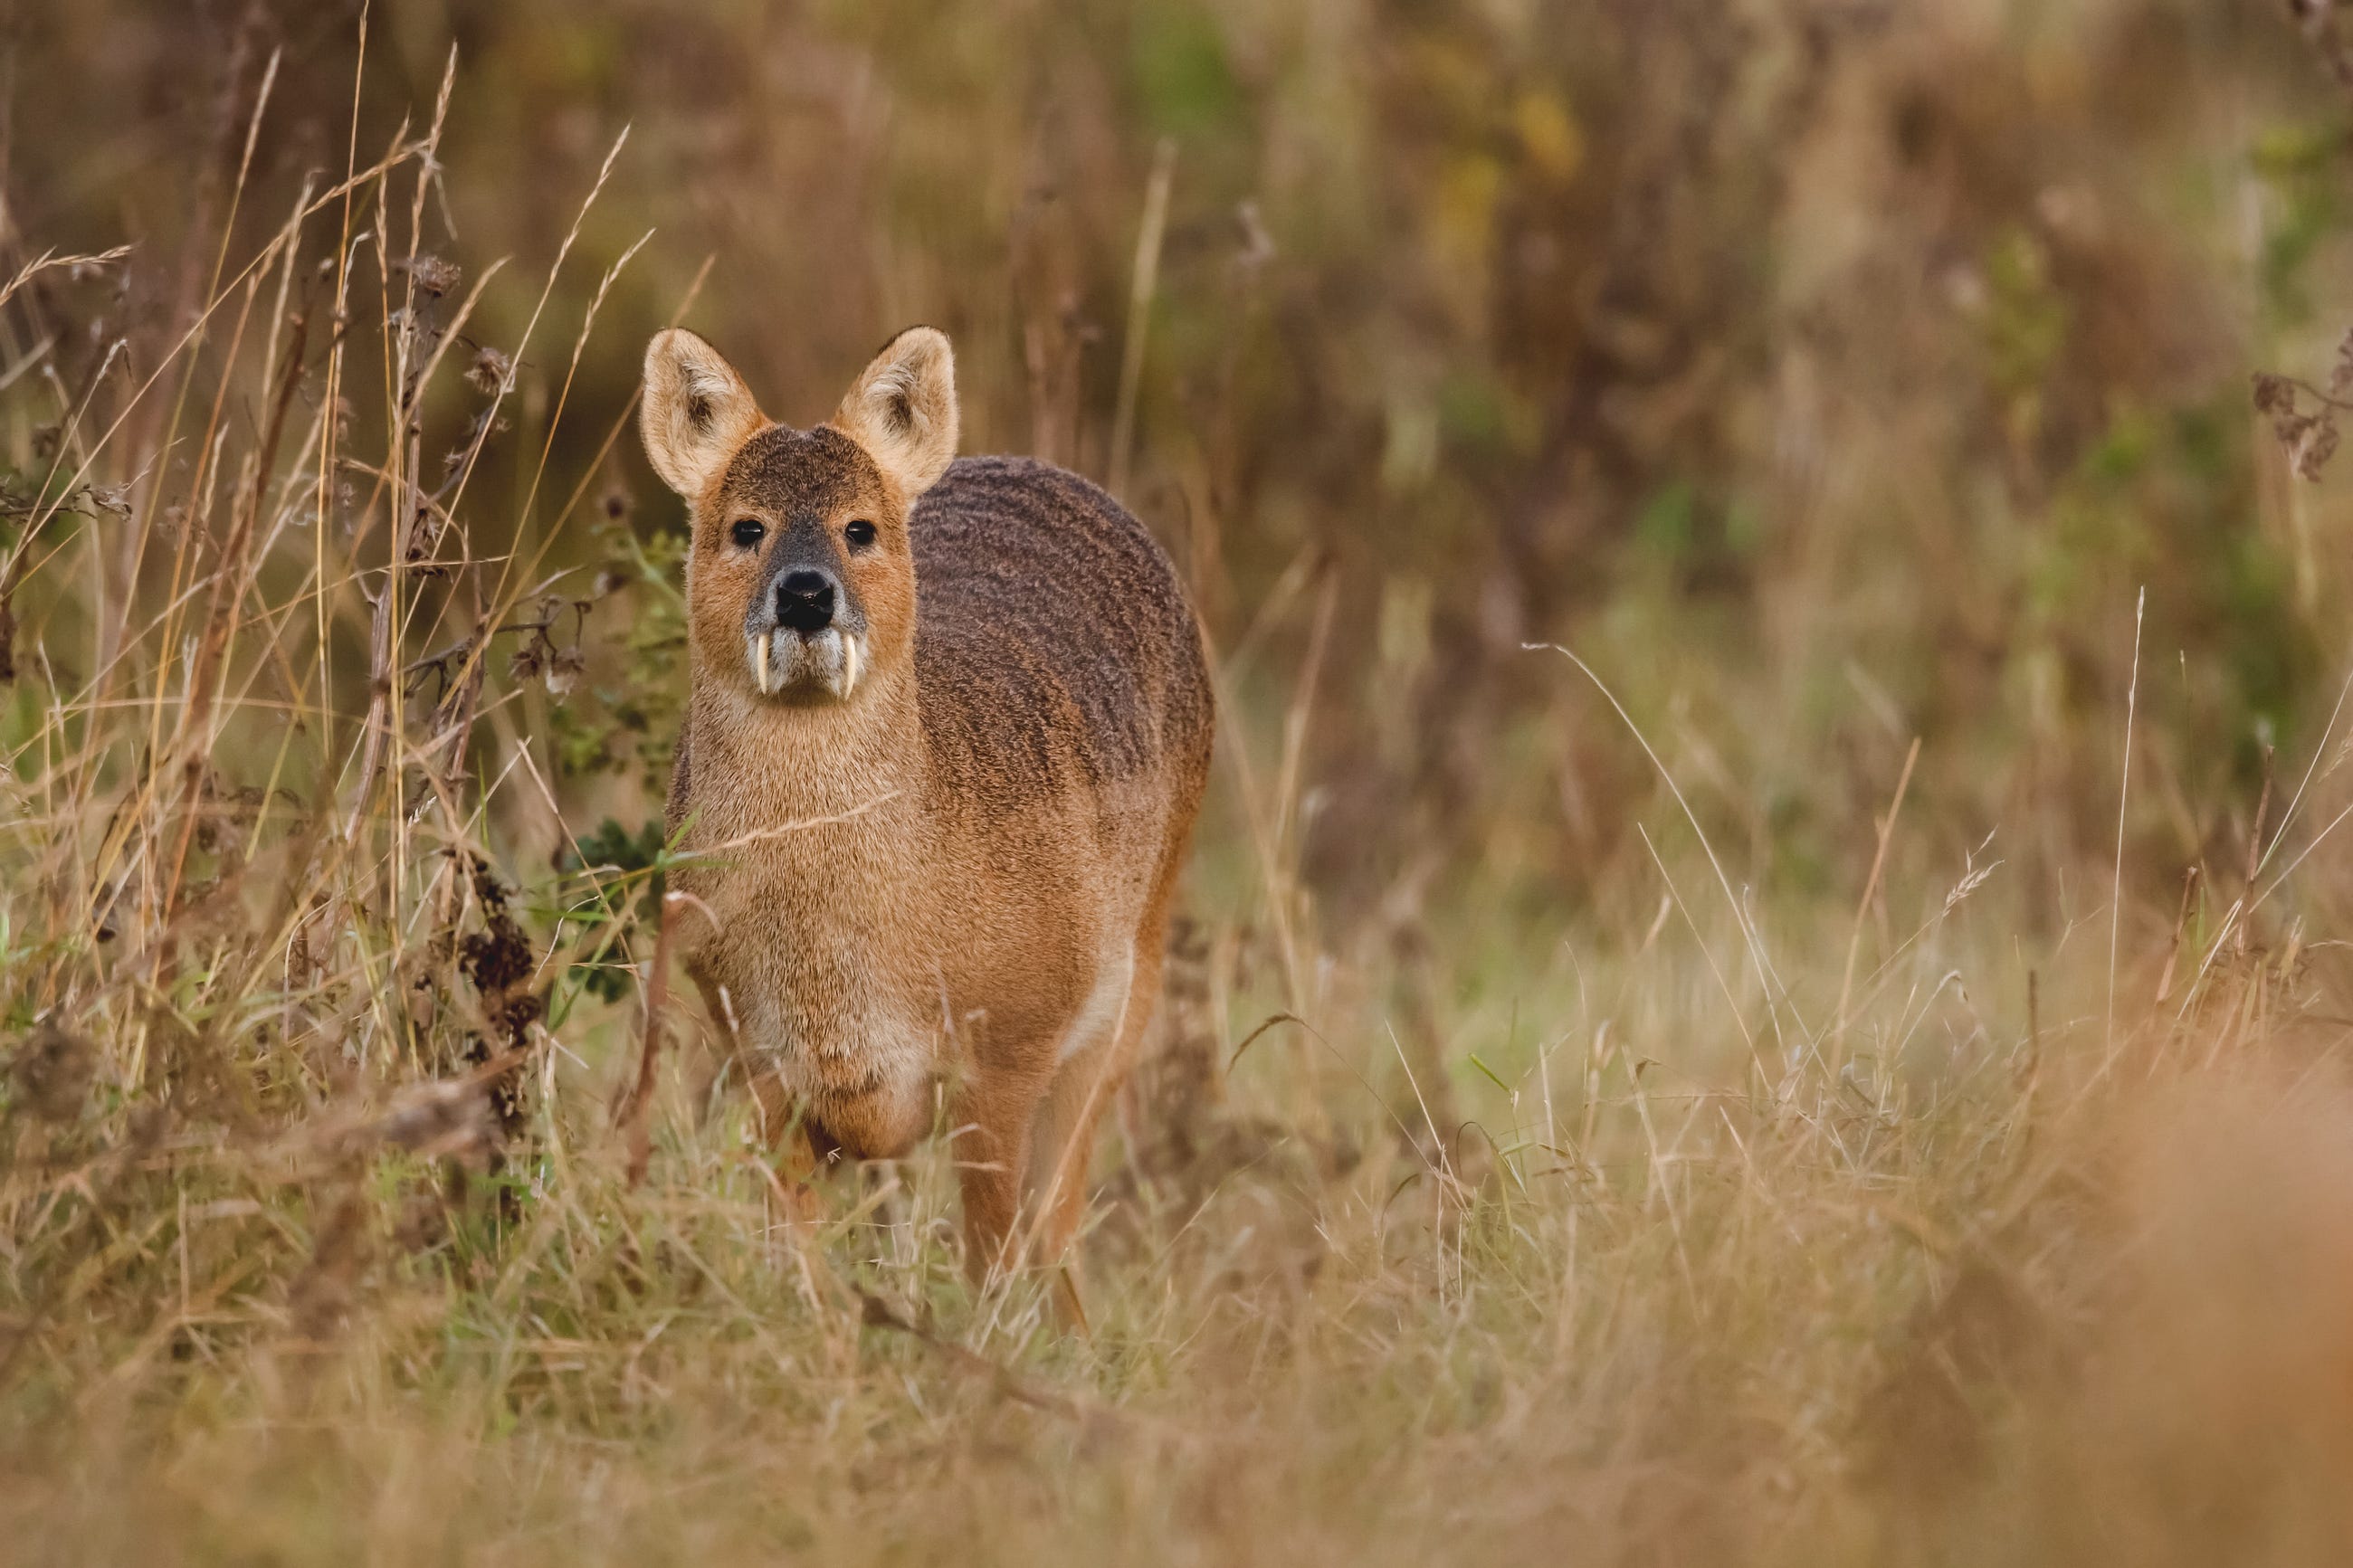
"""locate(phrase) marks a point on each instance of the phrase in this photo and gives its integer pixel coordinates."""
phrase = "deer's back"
(1054, 648)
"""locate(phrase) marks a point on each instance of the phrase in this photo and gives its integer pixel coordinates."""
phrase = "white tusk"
(760, 662)
(849, 665)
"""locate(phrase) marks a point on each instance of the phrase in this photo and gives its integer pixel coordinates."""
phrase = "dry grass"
(1934, 1213)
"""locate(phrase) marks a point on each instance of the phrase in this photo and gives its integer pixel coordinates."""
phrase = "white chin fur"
(833, 661)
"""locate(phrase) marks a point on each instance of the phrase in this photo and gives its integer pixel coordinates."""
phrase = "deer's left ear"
(903, 409)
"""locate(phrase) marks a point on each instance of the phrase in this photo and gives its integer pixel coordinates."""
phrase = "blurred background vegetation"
(1829, 371)
(1884, 397)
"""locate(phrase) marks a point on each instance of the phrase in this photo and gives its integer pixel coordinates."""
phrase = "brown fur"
(960, 871)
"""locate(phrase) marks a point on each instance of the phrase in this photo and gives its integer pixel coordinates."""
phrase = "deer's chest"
(819, 959)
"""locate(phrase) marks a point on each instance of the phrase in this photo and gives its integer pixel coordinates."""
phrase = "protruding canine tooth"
(760, 663)
(848, 665)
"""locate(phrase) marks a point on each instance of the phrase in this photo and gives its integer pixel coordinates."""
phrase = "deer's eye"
(749, 531)
(860, 534)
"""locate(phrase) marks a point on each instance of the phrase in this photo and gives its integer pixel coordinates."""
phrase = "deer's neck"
(772, 769)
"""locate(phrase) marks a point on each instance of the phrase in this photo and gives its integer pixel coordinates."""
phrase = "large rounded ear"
(697, 411)
(903, 409)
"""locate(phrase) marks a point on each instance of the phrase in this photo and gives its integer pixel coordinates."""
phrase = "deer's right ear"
(697, 411)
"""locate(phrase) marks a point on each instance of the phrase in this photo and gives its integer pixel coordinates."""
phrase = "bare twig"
(635, 1114)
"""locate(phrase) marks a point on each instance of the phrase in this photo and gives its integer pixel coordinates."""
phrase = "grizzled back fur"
(1036, 686)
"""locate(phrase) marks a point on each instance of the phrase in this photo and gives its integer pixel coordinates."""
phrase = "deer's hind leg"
(1086, 1083)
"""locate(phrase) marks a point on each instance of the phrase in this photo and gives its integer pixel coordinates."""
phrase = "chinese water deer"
(948, 726)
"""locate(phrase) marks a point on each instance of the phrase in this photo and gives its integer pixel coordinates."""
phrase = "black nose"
(805, 602)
